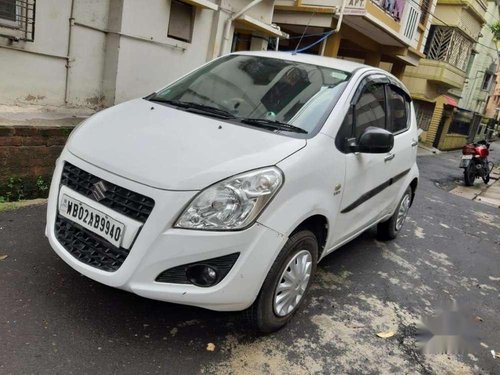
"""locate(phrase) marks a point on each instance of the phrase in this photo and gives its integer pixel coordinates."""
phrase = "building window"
(424, 112)
(17, 19)
(425, 6)
(181, 22)
(486, 81)
(470, 63)
(394, 8)
(461, 122)
(8, 11)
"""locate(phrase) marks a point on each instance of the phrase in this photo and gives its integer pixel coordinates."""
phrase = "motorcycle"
(475, 162)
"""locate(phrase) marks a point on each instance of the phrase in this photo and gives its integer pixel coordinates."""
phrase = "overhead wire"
(327, 34)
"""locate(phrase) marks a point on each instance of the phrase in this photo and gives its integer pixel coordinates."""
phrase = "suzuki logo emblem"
(99, 191)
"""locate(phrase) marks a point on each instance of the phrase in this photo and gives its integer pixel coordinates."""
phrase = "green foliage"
(15, 189)
(495, 29)
(41, 185)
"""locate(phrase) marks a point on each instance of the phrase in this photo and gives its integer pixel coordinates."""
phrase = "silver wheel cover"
(293, 283)
(404, 207)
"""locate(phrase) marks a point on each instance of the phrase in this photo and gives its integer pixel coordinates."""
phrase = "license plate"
(465, 161)
(92, 219)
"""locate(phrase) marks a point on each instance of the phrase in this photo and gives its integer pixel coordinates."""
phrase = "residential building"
(437, 82)
(492, 109)
(384, 33)
(480, 82)
(97, 53)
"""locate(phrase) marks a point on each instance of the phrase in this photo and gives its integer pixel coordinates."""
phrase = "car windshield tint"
(254, 87)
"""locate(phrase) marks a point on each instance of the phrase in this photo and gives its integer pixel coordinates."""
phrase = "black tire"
(261, 315)
(469, 175)
(387, 230)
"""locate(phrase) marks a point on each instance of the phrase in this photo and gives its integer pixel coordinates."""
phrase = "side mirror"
(373, 141)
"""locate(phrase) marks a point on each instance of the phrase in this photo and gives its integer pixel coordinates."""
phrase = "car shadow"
(88, 306)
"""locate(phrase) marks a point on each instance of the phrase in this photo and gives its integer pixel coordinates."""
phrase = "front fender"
(287, 215)
(313, 180)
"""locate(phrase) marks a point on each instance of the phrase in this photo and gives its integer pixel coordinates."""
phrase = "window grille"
(17, 19)
(450, 45)
(426, 8)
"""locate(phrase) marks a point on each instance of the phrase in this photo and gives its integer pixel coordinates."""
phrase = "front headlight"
(234, 203)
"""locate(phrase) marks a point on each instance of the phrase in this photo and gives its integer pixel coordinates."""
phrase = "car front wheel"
(286, 284)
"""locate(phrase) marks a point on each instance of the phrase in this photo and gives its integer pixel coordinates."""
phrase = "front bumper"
(159, 246)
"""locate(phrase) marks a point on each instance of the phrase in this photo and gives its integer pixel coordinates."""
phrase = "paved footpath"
(54, 321)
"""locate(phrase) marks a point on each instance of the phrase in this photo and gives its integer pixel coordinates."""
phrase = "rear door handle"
(389, 157)
(414, 143)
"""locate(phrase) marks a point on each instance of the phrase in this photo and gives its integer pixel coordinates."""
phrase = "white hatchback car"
(224, 189)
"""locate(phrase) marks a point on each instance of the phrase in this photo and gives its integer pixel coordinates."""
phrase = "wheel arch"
(318, 225)
(413, 186)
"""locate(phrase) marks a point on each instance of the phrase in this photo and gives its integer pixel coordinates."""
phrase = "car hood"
(167, 148)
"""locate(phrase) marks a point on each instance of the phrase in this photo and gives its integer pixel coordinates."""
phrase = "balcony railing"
(404, 14)
(393, 8)
(425, 6)
(448, 44)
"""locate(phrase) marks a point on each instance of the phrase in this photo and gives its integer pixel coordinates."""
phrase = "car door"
(403, 154)
(364, 198)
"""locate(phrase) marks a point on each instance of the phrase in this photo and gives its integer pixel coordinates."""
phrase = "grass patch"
(15, 188)
(10, 206)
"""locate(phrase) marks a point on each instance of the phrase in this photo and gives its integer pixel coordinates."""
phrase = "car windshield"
(260, 91)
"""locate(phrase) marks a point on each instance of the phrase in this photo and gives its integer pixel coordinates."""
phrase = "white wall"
(144, 67)
(28, 77)
(107, 68)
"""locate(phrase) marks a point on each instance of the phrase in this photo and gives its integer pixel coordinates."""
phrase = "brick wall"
(27, 158)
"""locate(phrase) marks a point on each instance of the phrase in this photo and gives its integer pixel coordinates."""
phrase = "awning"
(450, 101)
(202, 4)
(256, 25)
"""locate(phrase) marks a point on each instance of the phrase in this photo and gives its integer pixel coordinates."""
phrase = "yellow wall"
(453, 13)
(452, 141)
(437, 71)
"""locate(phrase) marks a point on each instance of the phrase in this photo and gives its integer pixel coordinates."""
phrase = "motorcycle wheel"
(469, 175)
(486, 178)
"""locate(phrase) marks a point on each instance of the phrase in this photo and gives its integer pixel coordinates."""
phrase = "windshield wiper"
(273, 124)
(201, 108)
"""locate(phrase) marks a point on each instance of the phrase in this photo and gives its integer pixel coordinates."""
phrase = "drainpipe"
(68, 52)
(229, 21)
(341, 17)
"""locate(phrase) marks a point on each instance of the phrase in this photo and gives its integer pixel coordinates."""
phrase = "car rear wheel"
(389, 229)
(286, 284)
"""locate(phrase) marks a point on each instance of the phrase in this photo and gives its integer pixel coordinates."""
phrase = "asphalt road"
(55, 321)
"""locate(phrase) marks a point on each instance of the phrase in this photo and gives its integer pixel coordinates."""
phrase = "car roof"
(329, 62)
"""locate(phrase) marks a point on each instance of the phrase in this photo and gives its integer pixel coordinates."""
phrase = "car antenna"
(303, 33)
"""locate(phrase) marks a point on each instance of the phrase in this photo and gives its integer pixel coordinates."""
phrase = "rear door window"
(399, 108)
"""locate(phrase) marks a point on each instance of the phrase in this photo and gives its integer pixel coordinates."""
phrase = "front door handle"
(414, 143)
(389, 157)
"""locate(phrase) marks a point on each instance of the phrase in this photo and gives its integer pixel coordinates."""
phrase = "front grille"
(127, 202)
(88, 247)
